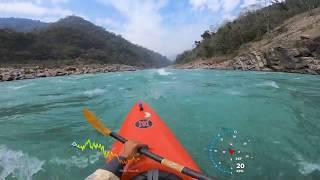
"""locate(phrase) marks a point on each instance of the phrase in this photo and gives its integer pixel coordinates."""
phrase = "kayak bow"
(144, 125)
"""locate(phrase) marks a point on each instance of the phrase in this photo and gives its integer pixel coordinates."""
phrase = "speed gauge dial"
(230, 152)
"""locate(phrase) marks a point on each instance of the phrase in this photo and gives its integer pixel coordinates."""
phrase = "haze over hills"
(69, 41)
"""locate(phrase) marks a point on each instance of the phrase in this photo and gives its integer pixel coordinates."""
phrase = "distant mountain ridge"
(71, 40)
(22, 24)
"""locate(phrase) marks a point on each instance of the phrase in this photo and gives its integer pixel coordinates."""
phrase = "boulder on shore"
(304, 59)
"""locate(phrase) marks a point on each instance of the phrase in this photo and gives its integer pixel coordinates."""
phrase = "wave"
(18, 87)
(305, 167)
(94, 92)
(156, 94)
(233, 92)
(18, 164)
(163, 72)
(77, 161)
(129, 78)
(292, 89)
(270, 84)
(276, 142)
(61, 81)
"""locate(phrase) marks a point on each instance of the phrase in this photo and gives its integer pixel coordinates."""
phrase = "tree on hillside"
(206, 35)
(252, 24)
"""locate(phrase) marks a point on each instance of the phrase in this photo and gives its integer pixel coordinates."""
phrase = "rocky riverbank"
(293, 60)
(32, 72)
(303, 58)
(292, 47)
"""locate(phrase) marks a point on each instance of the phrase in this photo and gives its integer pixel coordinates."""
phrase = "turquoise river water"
(278, 112)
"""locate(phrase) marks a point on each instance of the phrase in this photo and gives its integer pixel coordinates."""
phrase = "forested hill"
(21, 24)
(253, 25)
(69, 41)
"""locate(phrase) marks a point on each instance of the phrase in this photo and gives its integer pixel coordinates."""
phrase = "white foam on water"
(18, 164)
(18, 87)
(270, 84)
(276, 142)
(155, 94)
(233, 92)
(292, 89)
(129, 78)
(94, 92)
(305, 167)
(61, 81)
(76, 161)
(163, 72)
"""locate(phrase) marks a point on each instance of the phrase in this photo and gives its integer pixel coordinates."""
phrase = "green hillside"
(73, 40)
(250, 26)
(22, 24)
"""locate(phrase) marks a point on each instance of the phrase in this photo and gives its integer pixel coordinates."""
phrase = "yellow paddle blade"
(96, 122)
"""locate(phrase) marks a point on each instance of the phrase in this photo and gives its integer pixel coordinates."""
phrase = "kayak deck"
(146, 127)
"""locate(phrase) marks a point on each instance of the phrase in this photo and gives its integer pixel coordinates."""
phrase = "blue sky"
(166, 26)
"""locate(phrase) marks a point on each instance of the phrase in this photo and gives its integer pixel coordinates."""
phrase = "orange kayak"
(144, 125)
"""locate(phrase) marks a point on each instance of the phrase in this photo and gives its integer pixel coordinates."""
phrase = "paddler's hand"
(130, 149)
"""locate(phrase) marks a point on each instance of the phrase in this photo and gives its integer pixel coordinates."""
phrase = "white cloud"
(59, 1)
(229, 17)
(144, 25)
(198, 4)
(247, 3)
(213, 5)
(109, 23)
(230, 5)
(25, 8)
(37, 1)
(34, 9)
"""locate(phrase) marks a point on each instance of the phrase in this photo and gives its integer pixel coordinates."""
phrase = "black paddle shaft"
(118, 137)
(155, 157)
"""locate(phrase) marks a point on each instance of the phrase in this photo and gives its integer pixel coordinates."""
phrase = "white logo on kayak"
(147, 114)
